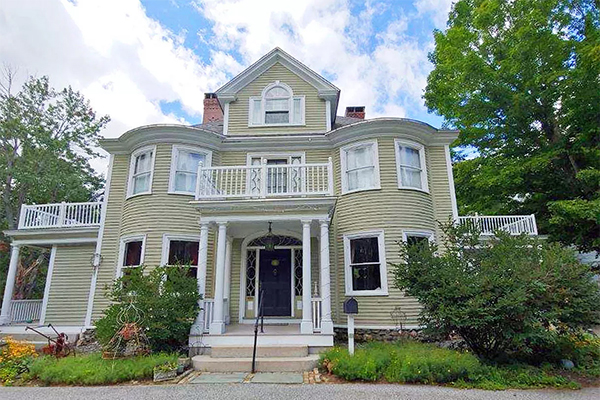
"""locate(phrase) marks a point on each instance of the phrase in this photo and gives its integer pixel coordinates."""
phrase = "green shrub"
(92, 369)
(166, 305)
(501, 295)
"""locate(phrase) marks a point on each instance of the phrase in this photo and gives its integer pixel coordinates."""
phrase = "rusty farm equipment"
(58, 346)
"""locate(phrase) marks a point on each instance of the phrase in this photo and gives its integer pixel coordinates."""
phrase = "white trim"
(124, 240)
(421, 149)
(451, 183)
(276, 155)
(419, 233)
(54, 241)
(48, 283)
(261, 218)
(132, 158)
(226, 119)
(94, 280)
(375, 155)
(379, 234)
(328, 114)
(166, 245)
(176, 148)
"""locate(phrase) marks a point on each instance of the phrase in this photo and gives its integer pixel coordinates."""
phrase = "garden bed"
(413, 362)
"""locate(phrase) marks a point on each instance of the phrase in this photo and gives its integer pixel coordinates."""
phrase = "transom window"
(360, 167)
(365, 266)
(140, 171)
(410, 160)
(276, 106)
(184, 168)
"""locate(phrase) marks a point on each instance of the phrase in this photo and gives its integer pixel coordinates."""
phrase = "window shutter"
(255, 112)
(298, 110)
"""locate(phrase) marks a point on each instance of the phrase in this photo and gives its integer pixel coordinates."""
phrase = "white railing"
(59, 215)
(316, 313)
(513, 224)
(208, 306)
(25, 310)
(265, 180)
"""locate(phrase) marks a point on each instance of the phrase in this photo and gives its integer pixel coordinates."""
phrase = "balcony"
(513, 224)
(265, 181)
(60, 215)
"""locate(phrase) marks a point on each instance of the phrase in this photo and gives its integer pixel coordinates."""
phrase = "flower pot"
(164, 375)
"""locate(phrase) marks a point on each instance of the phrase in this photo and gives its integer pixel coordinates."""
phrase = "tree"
(47, 138)
(521, 81)
(502, 295)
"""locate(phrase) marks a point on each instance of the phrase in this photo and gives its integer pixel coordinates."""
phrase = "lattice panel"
(298, 272)
(251, 273)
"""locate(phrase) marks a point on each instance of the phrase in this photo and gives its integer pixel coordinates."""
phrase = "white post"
(351, 334)
(330, 175)
(10, 285)
(306, 326)
(227, 292)
(48, 283)
(61, 214)
(326, 321)
(217, 327)
(198, 327)
(263, 179)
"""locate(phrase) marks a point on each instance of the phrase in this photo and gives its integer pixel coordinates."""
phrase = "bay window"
(410, 162)
(360, 167)
(141, 169)
(184, 168)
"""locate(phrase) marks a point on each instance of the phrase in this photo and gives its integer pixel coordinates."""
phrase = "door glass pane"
(276, 177)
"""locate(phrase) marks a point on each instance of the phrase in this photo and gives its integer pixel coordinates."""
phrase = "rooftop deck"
(60, 215)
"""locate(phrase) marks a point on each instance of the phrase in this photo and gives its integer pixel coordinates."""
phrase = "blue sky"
(151, 61)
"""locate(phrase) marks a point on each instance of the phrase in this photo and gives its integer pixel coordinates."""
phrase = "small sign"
(250, 305)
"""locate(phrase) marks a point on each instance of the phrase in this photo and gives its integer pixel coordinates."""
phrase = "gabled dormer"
(278, 94)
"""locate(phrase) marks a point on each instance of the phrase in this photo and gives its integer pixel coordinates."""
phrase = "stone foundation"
(380, 335)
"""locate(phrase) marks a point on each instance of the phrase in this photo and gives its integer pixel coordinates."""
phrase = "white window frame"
(262, 98)
(418, 232)
(134, 155)
(343, 154)
(122, 244)
(379, 234)
(421, 149)
(166, 245)
(175, 156)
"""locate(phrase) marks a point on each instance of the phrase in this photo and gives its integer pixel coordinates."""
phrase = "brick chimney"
(212, 109)
(354, 112)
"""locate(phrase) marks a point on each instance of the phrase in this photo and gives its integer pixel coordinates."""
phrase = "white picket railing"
(60, 215)
(316, 313)
(265, 180)
(513, 224)
(25, 310)
(209, 312)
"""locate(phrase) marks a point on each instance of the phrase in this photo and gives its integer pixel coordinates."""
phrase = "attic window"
(276, 106)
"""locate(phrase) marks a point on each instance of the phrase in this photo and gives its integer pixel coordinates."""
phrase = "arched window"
(276, 106)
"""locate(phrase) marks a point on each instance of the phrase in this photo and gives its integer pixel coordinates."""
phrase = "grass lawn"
(92, 369)
(414, 362)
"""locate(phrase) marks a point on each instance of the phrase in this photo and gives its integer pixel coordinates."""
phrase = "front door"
(275, 279)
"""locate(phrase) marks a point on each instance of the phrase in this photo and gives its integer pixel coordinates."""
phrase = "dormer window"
(276, 106)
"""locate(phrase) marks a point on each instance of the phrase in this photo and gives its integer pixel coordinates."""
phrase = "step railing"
(60, 215)
(25, 310)
(208, 308)
(317, 314)
(513, 224)
(265, 180)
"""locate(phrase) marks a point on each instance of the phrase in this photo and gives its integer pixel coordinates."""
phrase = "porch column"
(198, 327)
(10, 285)
(217, 327)
(306, 326)
(326, 322)
(227, 293)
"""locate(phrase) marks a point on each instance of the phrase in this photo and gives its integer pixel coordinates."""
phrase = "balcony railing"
(60, 215)
(25, 310)
(513, 224)
(265, 180)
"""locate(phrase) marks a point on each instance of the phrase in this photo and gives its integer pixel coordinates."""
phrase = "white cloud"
(438, 9)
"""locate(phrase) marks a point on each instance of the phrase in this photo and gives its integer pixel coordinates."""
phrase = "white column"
(217, 327)
(326, 322)
(198, 327)
(306, 326)
(227, 293)
(10, 285)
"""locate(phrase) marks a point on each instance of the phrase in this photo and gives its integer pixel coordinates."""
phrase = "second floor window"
(184, 168)
(410, 160)
(140, 171)
(360, 167)
(276, 106)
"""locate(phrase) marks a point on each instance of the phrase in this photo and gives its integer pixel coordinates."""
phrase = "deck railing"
(208, 306)
(316, 313)
(513, 224)
(265, 180)
(60, 215)
(25, 310)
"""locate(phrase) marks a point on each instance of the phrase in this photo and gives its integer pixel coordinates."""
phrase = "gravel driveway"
(287, 392)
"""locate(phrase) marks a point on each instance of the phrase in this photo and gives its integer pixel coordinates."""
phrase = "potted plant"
(165, 371)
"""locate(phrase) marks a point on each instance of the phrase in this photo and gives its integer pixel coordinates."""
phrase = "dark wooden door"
(275, 277)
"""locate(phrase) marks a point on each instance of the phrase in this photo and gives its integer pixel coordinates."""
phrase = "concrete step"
(263, 364)
(261, 351)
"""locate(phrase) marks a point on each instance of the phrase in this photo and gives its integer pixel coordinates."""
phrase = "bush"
(501, 295)
(92, 369)
(15, 358)
(165, 302)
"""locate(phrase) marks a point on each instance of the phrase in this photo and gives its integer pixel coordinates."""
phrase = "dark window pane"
(366, 277)
(133, 253)
(364, 250)
(183, 253)
(277, 117)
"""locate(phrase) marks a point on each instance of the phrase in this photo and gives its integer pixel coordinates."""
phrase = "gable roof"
(326, 89)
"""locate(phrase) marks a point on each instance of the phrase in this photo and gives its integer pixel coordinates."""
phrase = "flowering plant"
(15, 356)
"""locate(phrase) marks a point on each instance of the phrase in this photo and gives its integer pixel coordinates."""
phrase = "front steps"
(293, 358)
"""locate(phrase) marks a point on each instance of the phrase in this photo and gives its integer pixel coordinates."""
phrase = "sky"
(145, 62)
